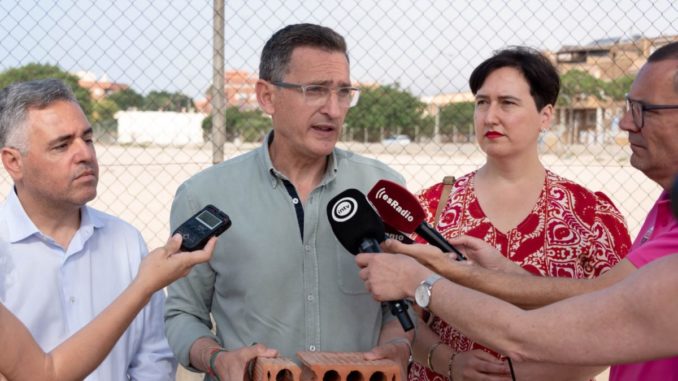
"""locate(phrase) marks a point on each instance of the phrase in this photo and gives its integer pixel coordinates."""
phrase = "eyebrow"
(66, 138)
(328, 83)
(501, 97)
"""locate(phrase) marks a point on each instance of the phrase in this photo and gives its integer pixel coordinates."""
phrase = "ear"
(265, 96)
(13, 162)
(546, 117)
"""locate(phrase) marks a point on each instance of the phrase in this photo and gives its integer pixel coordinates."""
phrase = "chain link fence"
(147, 69)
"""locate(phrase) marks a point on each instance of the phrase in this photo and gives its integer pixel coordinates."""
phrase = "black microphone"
(674, 197)
(360, 230)
(400, 209)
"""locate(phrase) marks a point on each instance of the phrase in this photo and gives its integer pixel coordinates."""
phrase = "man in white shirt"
(67, 261)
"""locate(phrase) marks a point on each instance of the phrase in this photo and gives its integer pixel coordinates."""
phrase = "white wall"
(159, 127)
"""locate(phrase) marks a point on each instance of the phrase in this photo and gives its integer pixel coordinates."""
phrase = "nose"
(84, 151)
(331, 107)
(626, 123)
(490, 112)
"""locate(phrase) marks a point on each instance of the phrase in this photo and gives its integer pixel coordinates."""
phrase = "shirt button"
(310, 298)
(311, 348)
(72, 299)
(307, 247)
(295, 201)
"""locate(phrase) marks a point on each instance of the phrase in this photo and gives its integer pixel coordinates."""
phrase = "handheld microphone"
(359, 229)
(400, 209)
(674, 197)
(396, 234)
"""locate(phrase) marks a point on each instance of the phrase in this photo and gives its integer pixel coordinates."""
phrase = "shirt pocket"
(348, 276)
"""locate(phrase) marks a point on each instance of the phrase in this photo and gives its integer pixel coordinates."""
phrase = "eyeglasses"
(638, 109)
(317, 95)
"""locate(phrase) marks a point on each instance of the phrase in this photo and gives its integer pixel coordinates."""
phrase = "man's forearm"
(200, 352)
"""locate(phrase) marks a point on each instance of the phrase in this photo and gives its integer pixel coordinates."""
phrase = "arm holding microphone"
(643, 308)
(75, 358)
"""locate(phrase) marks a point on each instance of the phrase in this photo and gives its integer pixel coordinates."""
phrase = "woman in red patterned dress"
(548, 225)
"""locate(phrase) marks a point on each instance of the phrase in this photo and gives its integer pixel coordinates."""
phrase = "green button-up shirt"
(264, 283)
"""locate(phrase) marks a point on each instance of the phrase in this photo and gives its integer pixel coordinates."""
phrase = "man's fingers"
(393, 246)
(259, 350)
(421, 253)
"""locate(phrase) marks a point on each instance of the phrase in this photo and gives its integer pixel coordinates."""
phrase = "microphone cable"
(513, 374)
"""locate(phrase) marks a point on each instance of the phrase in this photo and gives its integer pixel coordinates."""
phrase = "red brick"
(326, 366)
(348, 366)
(275, 369)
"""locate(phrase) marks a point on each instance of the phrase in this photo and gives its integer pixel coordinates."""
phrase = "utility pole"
(217, 90)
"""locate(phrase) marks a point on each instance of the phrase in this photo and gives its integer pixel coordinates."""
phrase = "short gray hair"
(19, 97)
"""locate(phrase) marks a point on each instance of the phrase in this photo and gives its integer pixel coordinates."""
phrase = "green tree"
(126, 99)
(103, 110)
(388, 110)
(41, 71)
(166, 101)
(457, 119)
(247, 125)
(576, 83)
(618, 87)
(103, 121)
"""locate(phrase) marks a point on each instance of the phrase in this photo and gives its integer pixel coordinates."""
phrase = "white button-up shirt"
(55, 292)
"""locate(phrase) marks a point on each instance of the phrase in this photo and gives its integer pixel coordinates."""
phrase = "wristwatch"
(422, 295)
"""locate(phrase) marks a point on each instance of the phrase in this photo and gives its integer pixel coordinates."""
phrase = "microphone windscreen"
(353, 220)
(397, 206)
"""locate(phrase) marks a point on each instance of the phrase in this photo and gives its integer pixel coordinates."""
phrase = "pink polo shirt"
(657, 238)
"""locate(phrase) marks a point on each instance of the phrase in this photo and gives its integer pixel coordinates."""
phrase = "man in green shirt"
(279, 277)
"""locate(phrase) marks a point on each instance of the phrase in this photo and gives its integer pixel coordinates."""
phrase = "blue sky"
(426, 46)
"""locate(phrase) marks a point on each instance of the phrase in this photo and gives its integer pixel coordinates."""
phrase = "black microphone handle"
(398, 307)
(436, 239)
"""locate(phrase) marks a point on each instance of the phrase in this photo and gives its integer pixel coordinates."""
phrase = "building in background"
(101, 88)
(594, 118)
(239, 90)
(585, 118)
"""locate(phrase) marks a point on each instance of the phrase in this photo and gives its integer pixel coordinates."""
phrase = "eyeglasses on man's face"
(317, 95)
(638, 109)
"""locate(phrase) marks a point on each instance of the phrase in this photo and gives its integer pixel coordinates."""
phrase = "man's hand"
(428, 255)
(233, 365)
(397, 350)
(390, 277)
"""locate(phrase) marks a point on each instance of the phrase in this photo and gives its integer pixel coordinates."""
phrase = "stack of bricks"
(326, 366)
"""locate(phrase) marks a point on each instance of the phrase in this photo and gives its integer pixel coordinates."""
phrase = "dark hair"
(276, 55)
(538, 70)
(666, 52)
(17, 98)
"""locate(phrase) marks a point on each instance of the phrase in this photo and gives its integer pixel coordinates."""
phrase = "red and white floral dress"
(571, 232)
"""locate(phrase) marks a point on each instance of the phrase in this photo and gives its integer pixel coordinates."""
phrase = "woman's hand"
(485, 255)
(166, 264)
(479, 365)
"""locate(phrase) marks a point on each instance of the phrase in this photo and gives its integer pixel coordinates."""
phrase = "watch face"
(422, 295)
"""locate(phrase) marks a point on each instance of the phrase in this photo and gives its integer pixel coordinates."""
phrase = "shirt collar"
(23, 227)
(277, 177)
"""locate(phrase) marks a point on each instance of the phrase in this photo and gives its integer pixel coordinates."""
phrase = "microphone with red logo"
(400, 209)
(360, 230)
